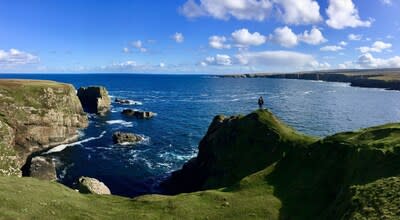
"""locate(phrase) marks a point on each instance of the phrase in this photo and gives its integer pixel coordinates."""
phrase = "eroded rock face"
(9, 163)
(40, 114)
(124, 137)
(138, 114)
(93, 186)
(94, 99)
(43, 168)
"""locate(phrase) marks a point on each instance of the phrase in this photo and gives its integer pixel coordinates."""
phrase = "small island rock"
(122, 101)
(43, 168)
(93, 186)
(94, 99)
(122, 137)
(138, 114)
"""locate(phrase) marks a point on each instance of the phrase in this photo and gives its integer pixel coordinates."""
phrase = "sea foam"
(61, 147)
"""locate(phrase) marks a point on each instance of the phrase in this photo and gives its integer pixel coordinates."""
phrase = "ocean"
(185, 105)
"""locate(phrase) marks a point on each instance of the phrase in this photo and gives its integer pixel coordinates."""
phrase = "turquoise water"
(186, 105)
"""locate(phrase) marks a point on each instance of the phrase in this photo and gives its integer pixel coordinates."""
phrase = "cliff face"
(38, 114)
(233, 148)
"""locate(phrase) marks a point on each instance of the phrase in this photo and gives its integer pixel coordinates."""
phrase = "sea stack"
(94, 99)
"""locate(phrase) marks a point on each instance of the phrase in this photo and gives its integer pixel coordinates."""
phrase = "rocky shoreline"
(384, 79)
(252, 166)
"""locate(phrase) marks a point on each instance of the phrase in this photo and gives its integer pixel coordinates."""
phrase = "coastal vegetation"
(248, 167)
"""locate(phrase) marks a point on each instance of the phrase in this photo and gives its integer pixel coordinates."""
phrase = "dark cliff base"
(377, 78)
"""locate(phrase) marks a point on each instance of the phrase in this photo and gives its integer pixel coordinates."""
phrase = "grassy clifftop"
(352, 175)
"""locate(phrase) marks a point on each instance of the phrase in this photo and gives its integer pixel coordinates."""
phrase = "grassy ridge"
(351, 175)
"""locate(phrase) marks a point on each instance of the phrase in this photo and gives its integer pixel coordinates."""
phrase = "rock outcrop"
(138, 114)
(36, 115)
(122, 101)
(94, 99)
(124, 137)
(93, 186)
(43, 168)
(233, 148)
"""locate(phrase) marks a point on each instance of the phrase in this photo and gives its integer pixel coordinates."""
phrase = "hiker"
(260, 102)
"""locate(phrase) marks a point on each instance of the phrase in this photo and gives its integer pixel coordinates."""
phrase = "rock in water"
(138, 114)
(43, 168)
(122, 137)
(93, 186)
(122, 101)
(94, 99)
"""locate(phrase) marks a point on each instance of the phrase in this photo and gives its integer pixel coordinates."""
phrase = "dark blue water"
(186, 105)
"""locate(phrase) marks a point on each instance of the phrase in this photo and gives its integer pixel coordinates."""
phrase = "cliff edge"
(35, 115)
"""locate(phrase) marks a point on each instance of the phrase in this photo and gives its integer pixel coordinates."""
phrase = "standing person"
(260, 102)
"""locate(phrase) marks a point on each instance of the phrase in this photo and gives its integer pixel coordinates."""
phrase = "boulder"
(94, 99)
(122, 101)
(138, 114)
(93, 186)
(43, 168)
(123, 137)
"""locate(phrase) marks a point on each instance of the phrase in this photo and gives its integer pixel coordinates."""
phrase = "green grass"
(344, 176)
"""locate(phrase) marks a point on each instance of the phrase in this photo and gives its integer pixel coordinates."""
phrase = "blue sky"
(197, 36)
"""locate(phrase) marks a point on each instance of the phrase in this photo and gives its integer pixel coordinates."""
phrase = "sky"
(197, 36)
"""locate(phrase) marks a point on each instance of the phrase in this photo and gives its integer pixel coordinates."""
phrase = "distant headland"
(368, 78)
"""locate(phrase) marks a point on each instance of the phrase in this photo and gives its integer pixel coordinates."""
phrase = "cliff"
(235, 147)
(35, 115)
(262, 169)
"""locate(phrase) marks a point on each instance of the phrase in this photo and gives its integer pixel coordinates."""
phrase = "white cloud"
(314, 37)
(343, 13)
(387, 2)
(218, 42)
(285, 37)
(276, 58)
(298, 11)
(126, 50)
(331, 48)
(343, 43)
(243, 38)
(139, 45)
(355, 37)
(219, 59)
(162, 65)
(225, 9)
(16, 57)
(377, 46)
(178, 37)
(368, 61)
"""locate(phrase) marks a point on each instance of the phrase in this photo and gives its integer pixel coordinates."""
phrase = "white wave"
(120, 122)
(307, 92)
(133, 102)
(173, 156)
(61, 147)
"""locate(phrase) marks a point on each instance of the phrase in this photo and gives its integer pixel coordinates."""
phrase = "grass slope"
(351, 175)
